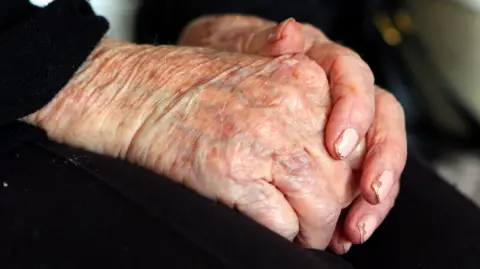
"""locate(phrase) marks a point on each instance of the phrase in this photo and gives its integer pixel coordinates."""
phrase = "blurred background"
(426, 52)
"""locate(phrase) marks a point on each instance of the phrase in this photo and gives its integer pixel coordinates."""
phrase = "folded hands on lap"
(273, 120)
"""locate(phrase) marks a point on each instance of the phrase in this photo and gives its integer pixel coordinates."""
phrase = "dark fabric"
(162, 21)
(64, 208)
(40, 50)
(79, 210)
(431, 226)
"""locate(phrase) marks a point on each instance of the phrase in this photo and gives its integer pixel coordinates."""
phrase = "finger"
(339, 243)
(363, 218)
(281, 39)
(262, 202)
(356, 158)
(387, 149)
(352, 93)
(296, 175)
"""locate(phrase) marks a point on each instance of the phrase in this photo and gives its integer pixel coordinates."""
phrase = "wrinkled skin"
(241, 129)
(376, 144)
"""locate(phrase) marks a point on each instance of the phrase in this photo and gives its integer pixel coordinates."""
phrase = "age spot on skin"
(152, 75)
(295, 74)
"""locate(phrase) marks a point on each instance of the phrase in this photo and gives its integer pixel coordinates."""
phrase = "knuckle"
(295, 164)
(309, 27)
(379, 138)
(389, 100)
(294, 173)
(387, 97)
(365, 108)
(347, 59)
(398, 150)
(293, 100)
(345, 56)
(384, 145)
(342, 51)
(310, 30)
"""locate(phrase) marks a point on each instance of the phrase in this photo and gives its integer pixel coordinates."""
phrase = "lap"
(431, 226)
(65, 208)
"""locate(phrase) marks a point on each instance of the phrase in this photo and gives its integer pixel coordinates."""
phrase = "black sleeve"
(40, 50)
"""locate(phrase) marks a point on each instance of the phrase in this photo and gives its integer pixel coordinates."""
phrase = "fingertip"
(339, 247)
(363, 218)
(352, 231)
(282, 29)
(339, 243)
(379, 174)
(285, 38)
(366, 226)
(352, 227)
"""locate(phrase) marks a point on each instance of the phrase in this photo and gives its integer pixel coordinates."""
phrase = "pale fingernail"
(346, 143)
(382, 185)
(346, 247)
(277, 32)
(366, 226)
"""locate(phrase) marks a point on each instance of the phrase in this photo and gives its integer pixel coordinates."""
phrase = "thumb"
(283, 38)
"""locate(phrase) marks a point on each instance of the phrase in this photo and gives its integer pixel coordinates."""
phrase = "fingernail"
(346, 143)
(382, 185)
(277, 32)
(346, 247)
(366, 226)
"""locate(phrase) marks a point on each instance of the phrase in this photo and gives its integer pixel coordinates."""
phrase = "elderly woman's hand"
(362, 113)
(242, 129)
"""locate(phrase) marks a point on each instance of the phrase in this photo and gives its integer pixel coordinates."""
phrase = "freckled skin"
(244, 130)
(357, 104)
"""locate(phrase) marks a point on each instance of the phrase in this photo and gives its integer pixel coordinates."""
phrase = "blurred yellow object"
(403, 21)
(389, 33)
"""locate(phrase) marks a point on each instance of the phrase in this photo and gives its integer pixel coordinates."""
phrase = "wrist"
(103, 93)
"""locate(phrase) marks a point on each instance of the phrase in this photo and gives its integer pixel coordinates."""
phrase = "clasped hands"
(273, 120)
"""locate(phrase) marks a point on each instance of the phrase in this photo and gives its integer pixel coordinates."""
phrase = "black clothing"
(40, 50)
(64, 208)
(163, 21)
